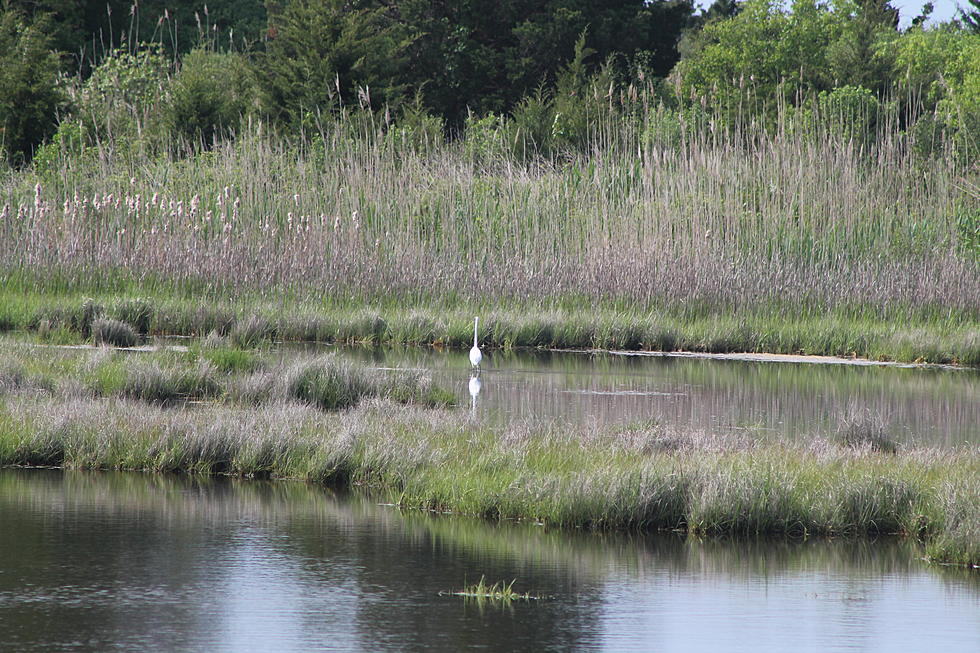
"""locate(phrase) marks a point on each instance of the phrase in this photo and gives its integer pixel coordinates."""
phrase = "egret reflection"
(475, 386)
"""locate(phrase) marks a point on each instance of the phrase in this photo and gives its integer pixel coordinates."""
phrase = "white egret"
(475, 355)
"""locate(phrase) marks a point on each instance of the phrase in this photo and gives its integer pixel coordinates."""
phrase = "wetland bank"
(720, 242)
(806, 207)
(330, 420)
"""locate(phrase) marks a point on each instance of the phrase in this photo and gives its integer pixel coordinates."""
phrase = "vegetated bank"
(265, 421)
(707, 192)
(727, 240)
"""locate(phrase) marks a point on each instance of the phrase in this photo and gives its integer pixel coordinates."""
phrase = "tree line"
(83, 72)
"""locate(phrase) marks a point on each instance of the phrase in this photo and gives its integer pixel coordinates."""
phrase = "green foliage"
(581, 100)
(855, 57)
(922, 60)
(67, 142)
(968, 232)
(86, 28)
(209, 95)
(119, 105)
(30, 91)
(963, 79)
(323, 55)
(415, 129)
(851, 112)
(475, 60)
(769, 54)
(484, 137)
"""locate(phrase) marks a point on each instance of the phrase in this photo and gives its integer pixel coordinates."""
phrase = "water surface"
(98, 562)
(920, 405)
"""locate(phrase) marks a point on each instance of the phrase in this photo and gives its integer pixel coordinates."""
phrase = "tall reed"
(715, 220)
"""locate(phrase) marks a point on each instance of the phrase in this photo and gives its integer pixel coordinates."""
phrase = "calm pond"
(97, 562)
(919, 405)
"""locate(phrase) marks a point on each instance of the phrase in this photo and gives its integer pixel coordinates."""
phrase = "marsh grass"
(211, 371)
(723, 241)
(531, 324)
(229, 360)
(865, 429)
(106, 331)
(499, 592)
(331, 383)
(150, 381)
(136, 312)
(251, 332)
(559, 475)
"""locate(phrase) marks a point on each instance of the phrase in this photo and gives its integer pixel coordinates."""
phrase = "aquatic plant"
(500, 592)
(330, 383)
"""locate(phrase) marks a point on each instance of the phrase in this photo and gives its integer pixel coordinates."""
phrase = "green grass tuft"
(499, 592)
(106, 331)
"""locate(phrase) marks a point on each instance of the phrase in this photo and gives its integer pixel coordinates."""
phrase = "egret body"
(475, 354)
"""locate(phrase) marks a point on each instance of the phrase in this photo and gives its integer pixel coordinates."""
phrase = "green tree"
(471, 58)
(322, 55)
(764, 55)
(30, 93)
(721, 9)
(855, 58)
(87, 31)
(119, 104)
(922, 60)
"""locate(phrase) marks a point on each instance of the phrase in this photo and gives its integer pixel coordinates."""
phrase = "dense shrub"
(209, 96)
(120, 103)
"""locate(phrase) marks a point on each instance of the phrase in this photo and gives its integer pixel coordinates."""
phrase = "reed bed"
(638, 478)
(716, 222)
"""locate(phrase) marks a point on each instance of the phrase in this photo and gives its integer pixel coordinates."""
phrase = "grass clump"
(106, 331)
(413, 387)
(230, 360)
(136, 312)
(499, 592)
(150, 381)
(250, 333)
(330, 383)
(865, 430)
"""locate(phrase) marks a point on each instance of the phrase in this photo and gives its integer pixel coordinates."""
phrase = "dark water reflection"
(920, 405)
(123, 561)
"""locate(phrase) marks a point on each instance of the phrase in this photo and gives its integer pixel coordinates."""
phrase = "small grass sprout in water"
(500, 592)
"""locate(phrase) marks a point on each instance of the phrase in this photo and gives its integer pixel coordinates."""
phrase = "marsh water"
(115, 561)
(917, 405)
(98, 562)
